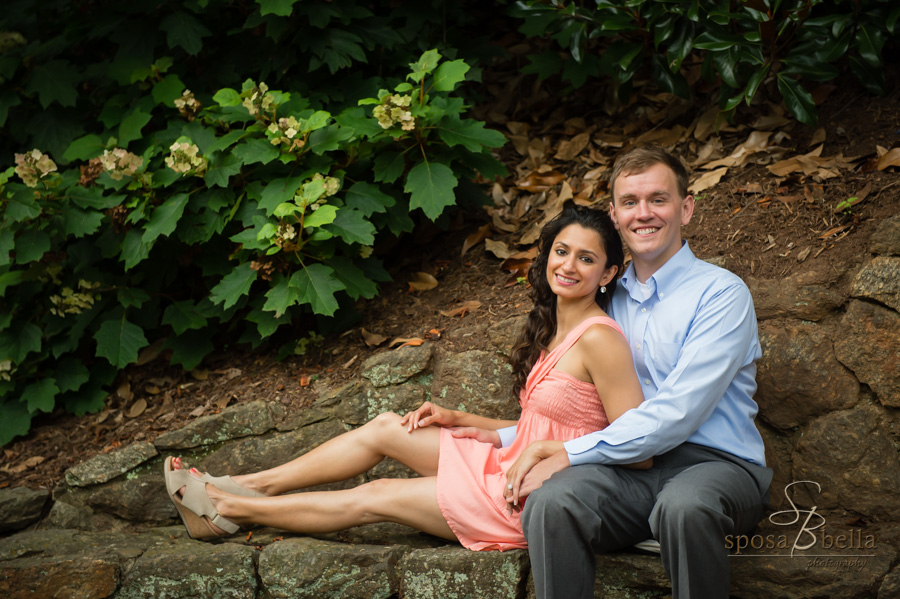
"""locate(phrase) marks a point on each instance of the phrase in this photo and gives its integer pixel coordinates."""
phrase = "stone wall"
(829, 393)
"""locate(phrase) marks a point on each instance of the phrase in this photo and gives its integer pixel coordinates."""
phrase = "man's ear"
(687, 209)
(612, 214)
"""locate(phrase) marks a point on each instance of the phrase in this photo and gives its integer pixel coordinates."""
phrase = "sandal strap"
(227, 484)
(197, 500)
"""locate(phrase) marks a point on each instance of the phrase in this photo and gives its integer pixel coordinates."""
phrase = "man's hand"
(479, 434)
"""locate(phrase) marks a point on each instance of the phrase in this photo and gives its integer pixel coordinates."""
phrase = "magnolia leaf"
(707, 180)
(475, 238)
(372, 339)
(422, 281)
(233, 286)
(462, 310)
(498, 248)
(316, 285)
(119, 341)
(570, 148)
(431, 186)
(165, 218)
(404, 341)
(798, 100)
(448, 74)
(891, 158)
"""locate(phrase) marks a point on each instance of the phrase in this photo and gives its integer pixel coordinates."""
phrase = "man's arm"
(720, 341)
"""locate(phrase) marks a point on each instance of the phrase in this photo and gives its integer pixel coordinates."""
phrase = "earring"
(603, 289)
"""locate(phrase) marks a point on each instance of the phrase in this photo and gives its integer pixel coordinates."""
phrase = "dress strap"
(544, 366)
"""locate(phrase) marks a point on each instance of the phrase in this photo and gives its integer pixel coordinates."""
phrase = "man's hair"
(638, 160)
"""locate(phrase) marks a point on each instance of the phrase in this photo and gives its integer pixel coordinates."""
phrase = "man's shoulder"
(712, 276)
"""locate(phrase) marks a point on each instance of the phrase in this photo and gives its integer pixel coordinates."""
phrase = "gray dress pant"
(690, 500)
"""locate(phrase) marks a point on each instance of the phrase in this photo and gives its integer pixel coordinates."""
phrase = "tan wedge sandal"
(195, 508)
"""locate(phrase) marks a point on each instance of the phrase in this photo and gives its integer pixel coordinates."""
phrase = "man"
(693, 334)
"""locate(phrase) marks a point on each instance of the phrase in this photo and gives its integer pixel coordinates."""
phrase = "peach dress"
(471, 475)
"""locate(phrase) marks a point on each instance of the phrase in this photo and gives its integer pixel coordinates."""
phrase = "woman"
(569, 355)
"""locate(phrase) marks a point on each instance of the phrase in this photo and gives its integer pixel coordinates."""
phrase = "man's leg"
(581, 511)
(695, 510)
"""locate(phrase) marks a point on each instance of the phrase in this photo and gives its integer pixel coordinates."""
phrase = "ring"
(509, 486)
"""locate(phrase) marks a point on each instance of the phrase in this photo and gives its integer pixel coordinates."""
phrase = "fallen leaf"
(229, 373)
(198, 411)
(498, 248)
(422, 281)
(536, 181)
(137, 408)
(372, 339)
(26, 465)
(199, 374)
(475, 238)
(707, 180)
(223, 401)
(413, 341)
(152, 389)
(124, 391)
(462, 310)
(305, 380)
(151, 352)
(433, 334)
(891, 158)
(500, 225)
(570, 148)
(818, 137)
(804, 254)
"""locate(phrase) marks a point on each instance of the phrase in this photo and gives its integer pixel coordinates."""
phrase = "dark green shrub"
(740, 42)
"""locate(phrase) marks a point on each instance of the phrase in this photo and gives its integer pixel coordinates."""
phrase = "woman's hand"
(479, 434)
(428, 414)
(533, 454)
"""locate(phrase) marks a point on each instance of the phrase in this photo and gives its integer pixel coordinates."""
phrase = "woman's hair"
(541, 324)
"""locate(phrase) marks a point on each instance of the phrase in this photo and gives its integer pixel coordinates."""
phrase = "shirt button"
(662, 295)
(638, 346)
(646, 381)
(643, 309)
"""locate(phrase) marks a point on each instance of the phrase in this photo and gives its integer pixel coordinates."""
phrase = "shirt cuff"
(507, 435)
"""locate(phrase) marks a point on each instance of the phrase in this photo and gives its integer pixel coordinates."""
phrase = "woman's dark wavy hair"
(541, 324)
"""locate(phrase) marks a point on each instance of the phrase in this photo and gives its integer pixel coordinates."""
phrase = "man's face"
(648, 212)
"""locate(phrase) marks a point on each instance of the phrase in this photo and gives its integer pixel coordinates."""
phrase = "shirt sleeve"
(719, 342)
(507, 435)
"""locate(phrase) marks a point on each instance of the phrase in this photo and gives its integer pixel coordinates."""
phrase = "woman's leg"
(351, 454)
(412, 502)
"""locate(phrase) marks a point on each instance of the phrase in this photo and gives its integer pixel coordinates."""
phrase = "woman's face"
(576, 266)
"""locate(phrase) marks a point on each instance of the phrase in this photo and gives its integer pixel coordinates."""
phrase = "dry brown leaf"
(26, 465)
(706, 123)
(475, 238)
(434, 334)
(422, 281)
(707, 180)
(305, 380)
(758, 141)
(151, 352)
(199, 374)
(500, 225)
(372, 339)
(137, 408)
(570, 148)
(198, 411)
(403, 341)
(804, 254)
(498, 248)
(890, 158)
(223, 401)
(536, 181)
(462, 310)
(152, 389)
(818, 137)
(124, 391)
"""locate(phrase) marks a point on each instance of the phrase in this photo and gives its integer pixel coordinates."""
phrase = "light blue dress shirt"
(695, 347)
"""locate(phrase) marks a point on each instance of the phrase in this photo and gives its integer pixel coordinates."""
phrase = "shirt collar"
(665, 279)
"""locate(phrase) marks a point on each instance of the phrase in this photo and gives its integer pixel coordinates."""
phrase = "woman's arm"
(433, 414)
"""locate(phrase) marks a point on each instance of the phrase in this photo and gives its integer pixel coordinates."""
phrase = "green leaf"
(132, 297)
(184, 30)
(20, 205)
(368, 198)
(424, 65)
(16, 343)
(133, 249)
(222, 168)
(281, 8)
(449, 74)
(316, 285)
(70, 374)
(256, 150)
(164, 218)
(325, 215)
(280, 297)
(233, 285)
(470, 134)
(31, 246)
(266, 322)
(183, 316)
(119, 341)
(351, 226)
(40, 395)
(328, 139)
(355, 281)
(7, 243)
(189, 348)
(226, 141)
(279, 191)
(78, 223)
(431, 188)
(16, 421)
(227, 97)
(84, 148)
(799, 101)
(88, 399)
(55, 81)
(168, 90)
(131, 126)
(388, 166)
